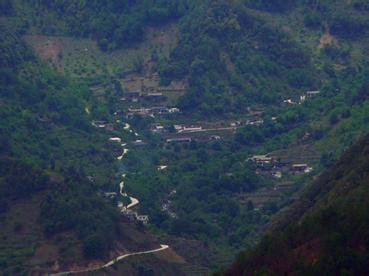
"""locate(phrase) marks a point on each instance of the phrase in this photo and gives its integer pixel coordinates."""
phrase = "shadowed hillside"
(325, 231)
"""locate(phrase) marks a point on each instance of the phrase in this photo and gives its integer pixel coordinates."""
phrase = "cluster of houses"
(103, 125)
(307, 95)
(265, 164)
(130, 214)
(151, 96)
(151, 111)
(134, 216)
(158, 128)
(135, 96)
(182, 140)
(215, 138)
(276, 168)
(301, 168)
(255, 119)
(147, 88)
(184, 129)
(175, 128)
(253, 122)
(143, 91)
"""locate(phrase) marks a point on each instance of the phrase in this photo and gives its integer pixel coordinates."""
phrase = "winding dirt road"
(134, 202)
(125, 151)
(112, 262)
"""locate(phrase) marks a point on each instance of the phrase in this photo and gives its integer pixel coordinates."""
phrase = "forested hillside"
(214, 106)
(114, 24)
(233, 54)
(233, 58)
(48, 147)
(325, 231)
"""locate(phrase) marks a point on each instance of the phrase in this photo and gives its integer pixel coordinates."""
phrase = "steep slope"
(324, 232)
(233, 58)
(232, 53)
(238, 53)
(244, 62)
(48, 149)
(54, 167)
(235, 55)
(114, 24)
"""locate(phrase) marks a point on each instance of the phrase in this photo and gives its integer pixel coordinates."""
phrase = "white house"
(115, 139)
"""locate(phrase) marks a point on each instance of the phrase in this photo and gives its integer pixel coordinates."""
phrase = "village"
(283, 167)
(147, 89)
(302, 98)
(143, 97)
(276, 168)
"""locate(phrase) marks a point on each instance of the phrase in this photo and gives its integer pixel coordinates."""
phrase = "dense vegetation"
(233, 55)
(325, 232)
(18, 180)
(205, 179)
(48, 145)
(233, 59)
(114, 24)
(209, 177)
